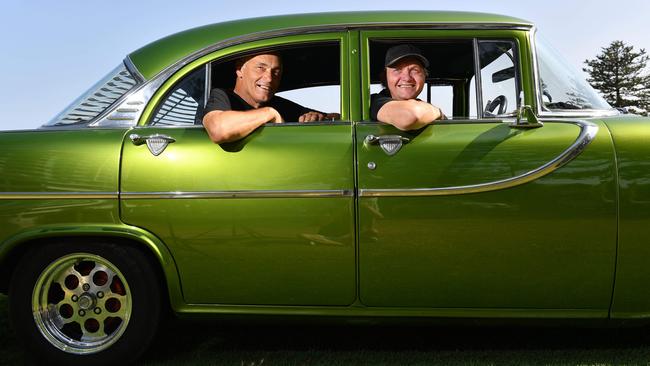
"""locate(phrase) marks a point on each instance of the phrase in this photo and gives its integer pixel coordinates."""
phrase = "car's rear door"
(265, 220)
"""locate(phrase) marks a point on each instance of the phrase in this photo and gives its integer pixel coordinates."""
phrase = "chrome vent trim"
(95, 102)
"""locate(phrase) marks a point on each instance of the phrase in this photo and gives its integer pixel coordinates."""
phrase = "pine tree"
(618, 72)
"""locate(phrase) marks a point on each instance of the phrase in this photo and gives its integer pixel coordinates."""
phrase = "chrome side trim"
(239, 194)
(588, 132)
(133, 70)
(478, 84)
(139, 96)
(57, 195)
(165, 73)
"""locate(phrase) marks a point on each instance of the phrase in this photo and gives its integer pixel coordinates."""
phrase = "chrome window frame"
(518, 74)
(127, 110)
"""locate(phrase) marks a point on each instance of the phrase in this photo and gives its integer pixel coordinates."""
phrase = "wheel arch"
(17, 245)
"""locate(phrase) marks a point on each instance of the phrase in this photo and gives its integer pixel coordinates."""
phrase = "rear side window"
(97, 99)
(310, 77)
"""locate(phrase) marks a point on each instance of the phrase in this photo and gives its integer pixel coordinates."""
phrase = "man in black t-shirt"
(232, 115)
(404, 76)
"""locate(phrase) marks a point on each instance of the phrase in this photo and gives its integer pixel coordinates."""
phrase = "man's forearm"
(227, 126)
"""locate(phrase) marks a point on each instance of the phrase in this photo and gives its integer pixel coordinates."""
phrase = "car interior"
(311, 77)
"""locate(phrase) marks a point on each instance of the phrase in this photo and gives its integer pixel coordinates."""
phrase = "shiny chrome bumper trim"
(238, 194)
(57, 195)
(588, 132)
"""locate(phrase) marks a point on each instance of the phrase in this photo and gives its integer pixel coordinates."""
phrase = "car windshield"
(562, 86)
(97, 99)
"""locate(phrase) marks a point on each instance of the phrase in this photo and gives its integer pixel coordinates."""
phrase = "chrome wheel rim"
(81, 303)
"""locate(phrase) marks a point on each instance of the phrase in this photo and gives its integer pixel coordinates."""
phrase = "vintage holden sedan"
(530, 201)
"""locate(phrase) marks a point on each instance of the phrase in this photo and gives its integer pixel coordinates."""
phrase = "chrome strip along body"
(57, 195)
(588, 132)
(176, 195)
(239, 194)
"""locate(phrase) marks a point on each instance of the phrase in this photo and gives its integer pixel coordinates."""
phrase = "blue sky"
(54, 50)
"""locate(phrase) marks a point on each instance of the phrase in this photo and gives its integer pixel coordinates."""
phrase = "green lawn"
(194, 343)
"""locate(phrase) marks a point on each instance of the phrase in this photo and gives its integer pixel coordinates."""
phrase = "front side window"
(451, 67)
(561, 86)
(451, 78)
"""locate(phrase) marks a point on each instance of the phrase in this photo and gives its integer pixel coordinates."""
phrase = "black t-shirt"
(377, 101)
(228, 100)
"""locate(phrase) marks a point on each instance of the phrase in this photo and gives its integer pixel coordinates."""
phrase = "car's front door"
(264, 220)
(472, 213)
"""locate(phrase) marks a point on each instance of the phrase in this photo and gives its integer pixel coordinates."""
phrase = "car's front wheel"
(80, 303)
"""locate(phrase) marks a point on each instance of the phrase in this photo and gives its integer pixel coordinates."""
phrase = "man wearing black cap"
(405, 74)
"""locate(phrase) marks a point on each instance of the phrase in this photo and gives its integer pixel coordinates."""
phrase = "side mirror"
(526, 118)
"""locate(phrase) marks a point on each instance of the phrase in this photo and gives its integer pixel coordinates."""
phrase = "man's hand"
(317, 116)
(275, 115)
(311, 117)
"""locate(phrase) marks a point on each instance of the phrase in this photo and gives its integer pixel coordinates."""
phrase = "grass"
(197, 343)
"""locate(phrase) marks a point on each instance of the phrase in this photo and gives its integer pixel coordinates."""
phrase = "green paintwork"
(524, 247)
(155, 57)
(58, 161)
(571, 244)
(631, 137)
(278, 251)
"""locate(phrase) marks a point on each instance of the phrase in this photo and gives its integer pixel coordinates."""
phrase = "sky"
(53, 51)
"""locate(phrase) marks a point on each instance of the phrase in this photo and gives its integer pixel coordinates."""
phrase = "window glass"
(498, 78)
(183, 105)
(562, 86)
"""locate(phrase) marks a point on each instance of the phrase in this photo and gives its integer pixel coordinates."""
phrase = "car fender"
(134, 234)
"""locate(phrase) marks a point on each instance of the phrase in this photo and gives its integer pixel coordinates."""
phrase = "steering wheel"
(500, 102)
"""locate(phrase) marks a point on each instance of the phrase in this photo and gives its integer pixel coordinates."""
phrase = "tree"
(618, 72)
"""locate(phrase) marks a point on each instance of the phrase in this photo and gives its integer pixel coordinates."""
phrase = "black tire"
(106, 293)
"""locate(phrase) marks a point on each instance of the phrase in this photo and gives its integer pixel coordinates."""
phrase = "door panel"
(545, 244)
(266, 220)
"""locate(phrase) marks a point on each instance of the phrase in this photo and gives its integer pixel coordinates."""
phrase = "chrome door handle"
(391, 144)
(156, 142)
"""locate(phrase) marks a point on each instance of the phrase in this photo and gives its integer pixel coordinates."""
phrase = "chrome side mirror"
(526, 118)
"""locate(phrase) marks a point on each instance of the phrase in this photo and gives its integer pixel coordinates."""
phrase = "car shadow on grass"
(197, 343)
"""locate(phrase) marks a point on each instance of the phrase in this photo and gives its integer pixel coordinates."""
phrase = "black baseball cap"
(401, 51)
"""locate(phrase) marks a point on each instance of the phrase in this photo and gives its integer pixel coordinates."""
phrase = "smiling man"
(233, 114)
(405, 74)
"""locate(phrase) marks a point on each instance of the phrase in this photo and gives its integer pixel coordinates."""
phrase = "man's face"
(258, 79)
(405, 78)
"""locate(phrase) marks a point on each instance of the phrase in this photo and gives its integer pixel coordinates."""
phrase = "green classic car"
(530, 201)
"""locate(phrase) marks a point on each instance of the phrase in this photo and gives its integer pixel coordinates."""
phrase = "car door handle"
(156, 142)
(391, 144)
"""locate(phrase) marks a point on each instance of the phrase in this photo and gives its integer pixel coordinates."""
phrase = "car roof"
(165, 52)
